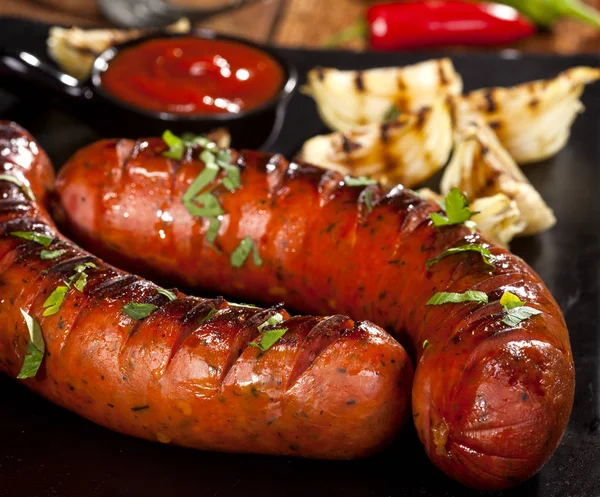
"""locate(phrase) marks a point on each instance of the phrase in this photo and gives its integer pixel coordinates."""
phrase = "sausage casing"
(187, 373)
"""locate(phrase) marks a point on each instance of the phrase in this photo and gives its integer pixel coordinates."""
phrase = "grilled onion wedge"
(533, 120)
(348, 99)
(481, 167)
(497, 217)
(407, 150)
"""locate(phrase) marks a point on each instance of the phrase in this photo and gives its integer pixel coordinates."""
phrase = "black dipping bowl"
(25, 74)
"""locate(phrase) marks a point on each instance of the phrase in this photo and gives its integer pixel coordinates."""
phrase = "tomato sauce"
(188, 75)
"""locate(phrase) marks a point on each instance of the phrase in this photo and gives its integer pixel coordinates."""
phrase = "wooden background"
(299, 23)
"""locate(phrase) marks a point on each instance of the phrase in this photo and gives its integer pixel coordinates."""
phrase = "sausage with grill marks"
(186, 374)
(490, 401)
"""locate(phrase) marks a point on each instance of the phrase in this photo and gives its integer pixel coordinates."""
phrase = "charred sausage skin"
(186, 374)
(490, 401)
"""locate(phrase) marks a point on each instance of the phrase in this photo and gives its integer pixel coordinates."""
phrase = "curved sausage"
(187, 373)
(490, 400)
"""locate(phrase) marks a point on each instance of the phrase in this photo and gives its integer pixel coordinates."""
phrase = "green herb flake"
(79, 278)
(366, 197)
(81, 281)
(269, 338)
(210, 314)
(251, 306)
(515, 310)
(486, 255)
(52, 304)
(176, 145)
(208, 157)
(426, 344)
(167, 293)
(47, 255)
(242, 251)
(213, 229)
(35, 350)
(233, 179)
(193, 139)
(360, 181)
(391, 114)
(138, 311)
(210, 206)
(274, 319)
(517, 314)
(23, 186)
(456, 205)
(441, 298)
(224, 158)
(510, 301)
(32, 236)
(205, 178)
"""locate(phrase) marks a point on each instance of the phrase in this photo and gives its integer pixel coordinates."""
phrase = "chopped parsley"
(32, 236)
(52, 304)
(486, 255)
(233, 304)
(24, 186)
(210, 314)
(269, 338)
(35, 349)
(177, 145)
(456, 205)
(204, 205)
(167, 293)
(274, 319)
(456, 298)
(515, 310)
(198, 202)
(426, 344)
(242, 251)
(213, 229)
(360, 181)
(138, 311)
(79, 279)
(51, 254)
(367, 196)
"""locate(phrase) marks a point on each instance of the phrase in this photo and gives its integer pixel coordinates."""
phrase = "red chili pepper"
(401, 25)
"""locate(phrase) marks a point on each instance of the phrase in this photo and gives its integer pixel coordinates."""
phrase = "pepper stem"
(578, 10)
(358, 29)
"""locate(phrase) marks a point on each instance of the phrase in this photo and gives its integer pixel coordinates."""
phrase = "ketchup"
(188, 75)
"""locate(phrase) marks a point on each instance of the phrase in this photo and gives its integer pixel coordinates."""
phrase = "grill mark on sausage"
(247, 334)
(322, 335)
(66, 266)
(277, 169)
(329, 186)
(26, 224)
(189, 324)
(11, 206)
(110, 285)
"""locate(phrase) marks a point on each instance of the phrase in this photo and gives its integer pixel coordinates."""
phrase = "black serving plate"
(47, 451)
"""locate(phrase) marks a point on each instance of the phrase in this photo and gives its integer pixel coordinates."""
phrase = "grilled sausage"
(186, 374)
(490, 400)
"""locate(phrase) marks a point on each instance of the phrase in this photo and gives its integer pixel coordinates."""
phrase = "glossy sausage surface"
(186, 374)
(490, 401)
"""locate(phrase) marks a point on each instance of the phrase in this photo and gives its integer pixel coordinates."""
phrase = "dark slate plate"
(47, 451)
